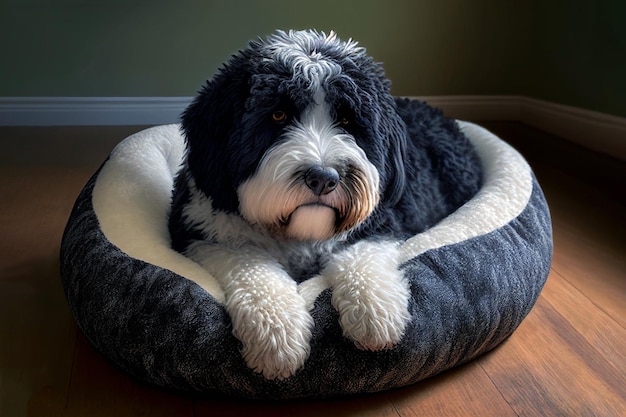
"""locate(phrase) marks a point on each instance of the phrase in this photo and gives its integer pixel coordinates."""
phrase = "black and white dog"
(301, 164)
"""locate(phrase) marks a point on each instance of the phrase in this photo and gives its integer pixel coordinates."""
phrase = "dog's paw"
(370, 294)
(274, 327)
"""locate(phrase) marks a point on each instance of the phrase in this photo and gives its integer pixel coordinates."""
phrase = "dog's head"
(297, 133)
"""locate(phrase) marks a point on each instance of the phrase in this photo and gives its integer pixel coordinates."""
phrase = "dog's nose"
(321, 180)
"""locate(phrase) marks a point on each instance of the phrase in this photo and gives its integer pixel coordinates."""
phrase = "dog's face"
(298, 134)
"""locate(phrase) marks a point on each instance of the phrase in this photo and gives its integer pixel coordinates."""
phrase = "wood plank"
(597, 268)
(35, 366)
(100, 389)
(463, 391)
(551, 370)
(34, 214)
(84, 147)
(37, 331)
(590, 253)
(599, 329)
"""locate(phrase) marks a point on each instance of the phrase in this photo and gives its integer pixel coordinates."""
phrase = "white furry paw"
(275, 328)
(370, 294)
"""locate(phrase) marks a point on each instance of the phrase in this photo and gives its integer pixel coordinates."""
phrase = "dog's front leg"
(268, 315)
(370, 293)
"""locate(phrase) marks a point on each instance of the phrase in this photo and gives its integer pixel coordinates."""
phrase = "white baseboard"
(598, 131)
(90, 111)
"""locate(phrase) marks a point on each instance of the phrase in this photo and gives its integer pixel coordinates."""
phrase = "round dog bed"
(159, 316)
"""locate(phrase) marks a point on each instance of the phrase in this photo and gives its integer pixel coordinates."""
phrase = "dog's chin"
(311, 222)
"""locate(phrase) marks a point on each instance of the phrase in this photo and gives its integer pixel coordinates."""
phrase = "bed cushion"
(160, 317)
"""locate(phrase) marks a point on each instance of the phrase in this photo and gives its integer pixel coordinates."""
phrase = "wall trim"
(597, 131)
(90, 111)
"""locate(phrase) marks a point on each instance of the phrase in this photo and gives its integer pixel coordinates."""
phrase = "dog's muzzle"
(320, 203)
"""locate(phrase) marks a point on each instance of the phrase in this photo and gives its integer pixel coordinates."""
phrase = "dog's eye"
(279, 116)
(345, 121)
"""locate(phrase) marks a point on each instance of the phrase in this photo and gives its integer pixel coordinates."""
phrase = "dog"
(300, 163)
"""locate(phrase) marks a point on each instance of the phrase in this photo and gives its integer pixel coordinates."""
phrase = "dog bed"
(159, 316)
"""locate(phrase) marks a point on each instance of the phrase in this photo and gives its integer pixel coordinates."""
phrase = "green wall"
(553, 50)
(578, 53)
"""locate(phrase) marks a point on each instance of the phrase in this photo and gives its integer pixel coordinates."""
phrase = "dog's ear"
(395, 132)
(377, 108)
(207, 124)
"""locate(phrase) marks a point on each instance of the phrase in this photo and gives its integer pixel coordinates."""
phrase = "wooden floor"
(568, 358)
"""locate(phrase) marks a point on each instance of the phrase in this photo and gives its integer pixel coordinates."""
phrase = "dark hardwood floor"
(566, 359)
